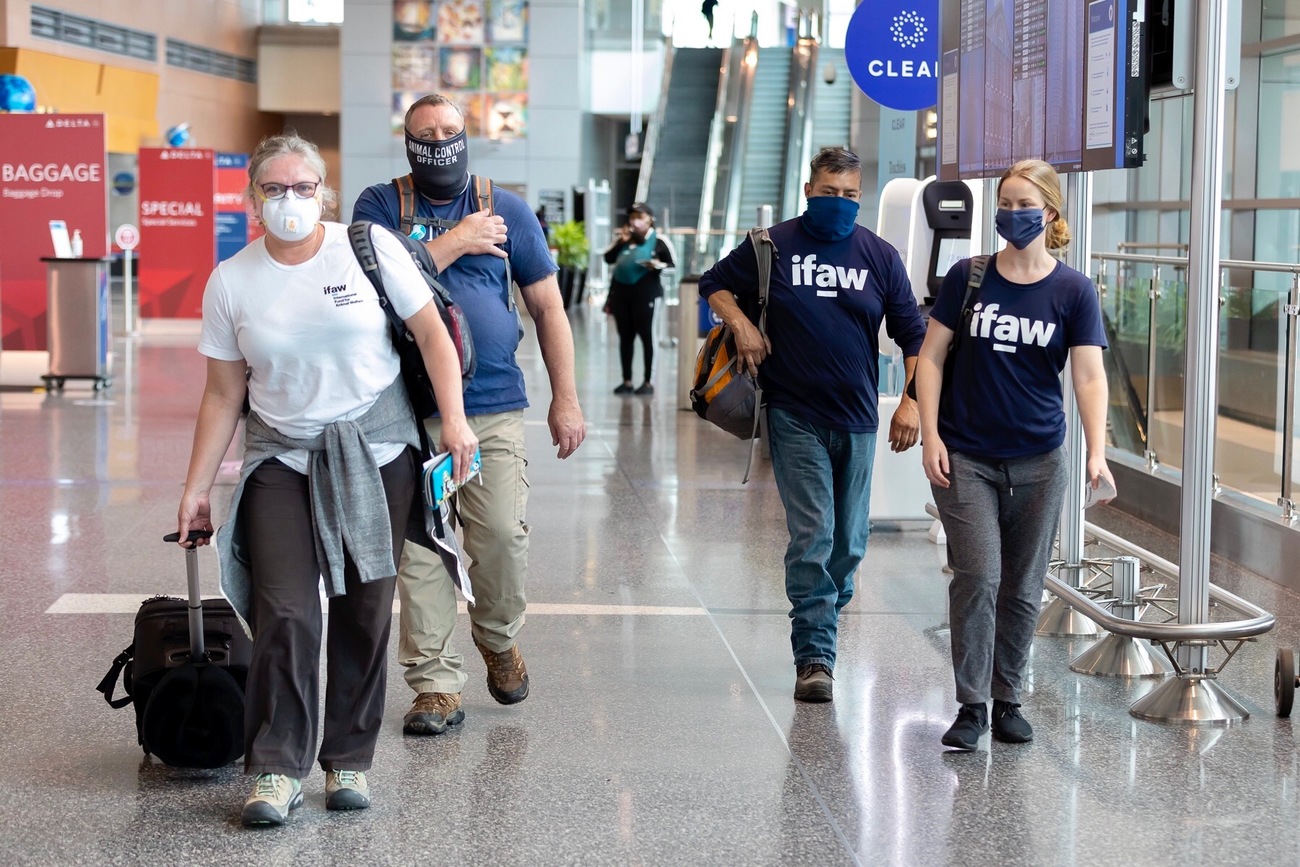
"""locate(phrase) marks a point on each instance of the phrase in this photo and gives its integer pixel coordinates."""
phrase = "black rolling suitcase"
(185, 672)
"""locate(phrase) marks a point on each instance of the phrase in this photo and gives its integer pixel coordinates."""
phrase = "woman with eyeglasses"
(329, 472)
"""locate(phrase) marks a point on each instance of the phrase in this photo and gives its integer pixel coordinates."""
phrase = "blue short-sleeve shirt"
(478, 283)
(1003, 398)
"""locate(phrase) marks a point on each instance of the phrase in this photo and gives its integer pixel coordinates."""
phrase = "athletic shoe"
(623, 389)
(1008, 725)
(972, 721)
(346, 790)
(273, 796)
(645, 388)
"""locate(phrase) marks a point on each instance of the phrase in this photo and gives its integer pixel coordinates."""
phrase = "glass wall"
(1261, 222)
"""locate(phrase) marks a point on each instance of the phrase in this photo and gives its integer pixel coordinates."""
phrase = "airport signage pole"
(1195, 697)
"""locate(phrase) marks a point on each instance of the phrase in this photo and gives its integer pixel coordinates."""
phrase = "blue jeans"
(824, 477)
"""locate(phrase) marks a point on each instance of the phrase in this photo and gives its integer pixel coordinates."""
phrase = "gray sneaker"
(814, 683)
(273, 796)
(346, 790)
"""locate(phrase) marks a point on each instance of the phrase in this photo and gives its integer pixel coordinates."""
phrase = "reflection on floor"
(660, 729)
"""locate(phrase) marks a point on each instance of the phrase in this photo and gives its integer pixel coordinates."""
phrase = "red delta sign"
(52, 167)
(177, 204)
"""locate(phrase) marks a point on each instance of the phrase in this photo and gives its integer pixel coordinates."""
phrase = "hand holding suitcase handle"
(194, 536)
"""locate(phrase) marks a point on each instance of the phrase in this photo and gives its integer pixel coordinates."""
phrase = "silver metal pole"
(1195, 697)
(1200, 390)
(128, 315)
(1288, 402)
(1153, 296)
(1058, 616)
(195, 604)
(1078, 203)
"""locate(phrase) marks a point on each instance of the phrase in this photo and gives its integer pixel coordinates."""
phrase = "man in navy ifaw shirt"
(833, 282)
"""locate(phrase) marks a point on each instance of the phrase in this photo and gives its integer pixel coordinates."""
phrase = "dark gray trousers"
(282, 695)
(1000, 518)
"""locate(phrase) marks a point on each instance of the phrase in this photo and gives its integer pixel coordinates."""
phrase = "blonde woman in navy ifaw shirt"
(992, 440)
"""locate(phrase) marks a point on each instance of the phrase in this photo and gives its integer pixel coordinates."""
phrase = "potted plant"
(571, 254)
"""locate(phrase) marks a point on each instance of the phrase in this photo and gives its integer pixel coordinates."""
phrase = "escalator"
(674, 164)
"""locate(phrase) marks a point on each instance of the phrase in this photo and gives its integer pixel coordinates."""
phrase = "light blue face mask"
(830, 218)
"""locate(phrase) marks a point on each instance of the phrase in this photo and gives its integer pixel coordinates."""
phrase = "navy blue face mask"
(1020, 227)
(830, 218)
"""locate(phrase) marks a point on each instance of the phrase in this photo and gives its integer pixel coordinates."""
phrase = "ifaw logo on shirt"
(1006, 330)
(342, 297)
(827, 278)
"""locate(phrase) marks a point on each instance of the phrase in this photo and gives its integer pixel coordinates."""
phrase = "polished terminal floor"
(660, 728)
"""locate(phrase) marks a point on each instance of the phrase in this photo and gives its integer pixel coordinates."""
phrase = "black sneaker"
(1008, 725)
(645, 388)
(972, 721)
(814, 683)
(623, 389)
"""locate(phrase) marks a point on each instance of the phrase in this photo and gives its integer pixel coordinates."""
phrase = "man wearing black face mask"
(832, 284)
(481, 240)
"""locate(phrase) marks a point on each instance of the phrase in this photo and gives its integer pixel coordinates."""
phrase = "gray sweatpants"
(1000, 518)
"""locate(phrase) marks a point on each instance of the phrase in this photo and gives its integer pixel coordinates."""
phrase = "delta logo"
(807, 271)
(1006, 330)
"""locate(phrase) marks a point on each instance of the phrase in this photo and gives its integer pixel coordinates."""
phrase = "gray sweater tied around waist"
(348, 505)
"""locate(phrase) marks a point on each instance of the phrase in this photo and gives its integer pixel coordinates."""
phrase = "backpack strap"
(765, 251)
(978, 268)
(408, 221)
(364, 249)
(485, 193)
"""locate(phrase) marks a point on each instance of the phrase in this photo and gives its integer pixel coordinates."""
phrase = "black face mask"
(440, 168)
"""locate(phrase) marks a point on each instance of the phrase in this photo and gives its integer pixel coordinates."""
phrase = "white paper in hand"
(1092, 496)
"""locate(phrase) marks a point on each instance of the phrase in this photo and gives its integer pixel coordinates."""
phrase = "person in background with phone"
(330, 424)
(992, 437)
(638, 255)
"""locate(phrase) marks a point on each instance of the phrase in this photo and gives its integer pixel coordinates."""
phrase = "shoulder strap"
(364, 248)
(765, 251)
(406, 198)
(483, 191)
(978, 266)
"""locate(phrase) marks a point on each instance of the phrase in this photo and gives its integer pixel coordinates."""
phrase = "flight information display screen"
(1057, 80)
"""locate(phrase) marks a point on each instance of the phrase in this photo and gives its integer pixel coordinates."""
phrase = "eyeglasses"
(301, 190)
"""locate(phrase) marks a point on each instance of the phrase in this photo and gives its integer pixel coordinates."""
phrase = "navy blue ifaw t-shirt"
(826, 303)
(478, 284)
(1005, 398)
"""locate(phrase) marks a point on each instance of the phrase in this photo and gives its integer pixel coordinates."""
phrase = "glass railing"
(1144, 302)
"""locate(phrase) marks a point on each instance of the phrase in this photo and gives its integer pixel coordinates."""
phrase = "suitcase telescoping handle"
(197, 650)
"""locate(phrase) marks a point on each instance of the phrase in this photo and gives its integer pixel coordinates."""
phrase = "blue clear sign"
(892, 48)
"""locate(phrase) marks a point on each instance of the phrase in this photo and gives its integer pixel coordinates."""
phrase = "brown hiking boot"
(813, 683)
(432, 713)
(507, 675)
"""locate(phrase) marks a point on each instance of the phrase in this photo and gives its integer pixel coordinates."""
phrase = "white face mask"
(291, 218)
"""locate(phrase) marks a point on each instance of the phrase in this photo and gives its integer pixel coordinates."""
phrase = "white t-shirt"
(313, 335)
